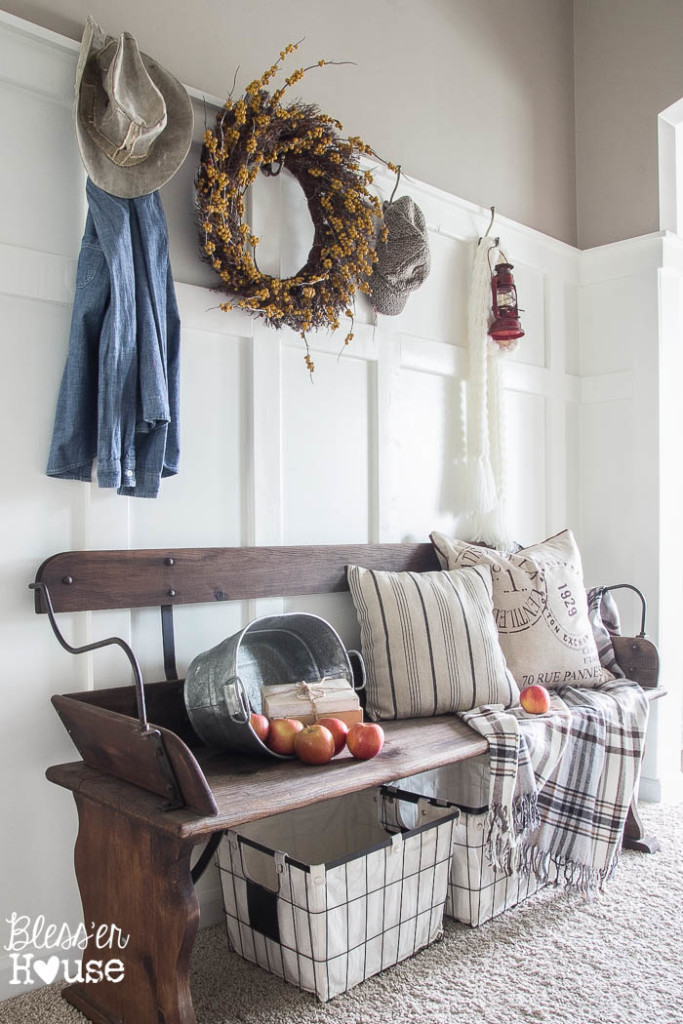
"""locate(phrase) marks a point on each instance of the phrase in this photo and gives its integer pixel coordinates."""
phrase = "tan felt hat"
(133, 118)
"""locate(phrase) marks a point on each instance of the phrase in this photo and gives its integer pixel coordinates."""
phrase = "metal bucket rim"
(286, 615)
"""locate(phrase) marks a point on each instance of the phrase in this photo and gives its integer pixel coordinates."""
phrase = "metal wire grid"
(338, 925)
(477, 891)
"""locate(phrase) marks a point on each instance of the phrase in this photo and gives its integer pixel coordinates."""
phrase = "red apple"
(535, 699)
(365, 740)
(260, 725)
(314, 744)
(339, 731)
(281, 735)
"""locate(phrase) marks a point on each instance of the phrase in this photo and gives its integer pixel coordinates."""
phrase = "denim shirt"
(118, 400)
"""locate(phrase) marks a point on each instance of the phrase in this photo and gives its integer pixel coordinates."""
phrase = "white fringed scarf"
(486, 456)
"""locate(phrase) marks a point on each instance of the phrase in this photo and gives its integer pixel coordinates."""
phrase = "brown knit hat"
(403, 260)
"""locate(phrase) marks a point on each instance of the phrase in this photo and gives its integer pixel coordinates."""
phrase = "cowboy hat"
(133, 118)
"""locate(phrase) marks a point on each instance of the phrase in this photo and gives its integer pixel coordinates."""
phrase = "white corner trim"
(670, 144)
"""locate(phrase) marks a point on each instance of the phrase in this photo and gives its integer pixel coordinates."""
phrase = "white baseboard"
(665, 789)
(650, 790)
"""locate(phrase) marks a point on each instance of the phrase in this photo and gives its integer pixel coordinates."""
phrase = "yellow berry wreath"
(257, 133)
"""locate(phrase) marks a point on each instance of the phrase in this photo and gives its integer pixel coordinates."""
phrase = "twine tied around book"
(312, 692)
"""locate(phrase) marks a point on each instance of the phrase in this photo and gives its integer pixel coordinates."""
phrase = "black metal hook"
(268, 169)
(114, 640)
(629, 586)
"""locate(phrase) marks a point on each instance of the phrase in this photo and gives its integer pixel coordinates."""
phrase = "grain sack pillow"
(540, 608)
(429, 642)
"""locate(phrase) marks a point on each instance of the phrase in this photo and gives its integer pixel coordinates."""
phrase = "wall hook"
(493, 217)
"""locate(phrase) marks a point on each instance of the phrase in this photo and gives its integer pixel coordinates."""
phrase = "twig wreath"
(257, 133)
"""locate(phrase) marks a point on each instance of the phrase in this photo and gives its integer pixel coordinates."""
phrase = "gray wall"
(473, 96)
(628, 68)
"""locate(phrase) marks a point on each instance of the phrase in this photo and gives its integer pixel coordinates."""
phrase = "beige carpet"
(555, 959)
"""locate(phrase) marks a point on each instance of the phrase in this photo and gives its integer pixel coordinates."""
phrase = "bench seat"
(246, 788)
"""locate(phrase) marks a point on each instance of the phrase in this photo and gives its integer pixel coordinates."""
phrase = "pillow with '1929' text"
(540, 608)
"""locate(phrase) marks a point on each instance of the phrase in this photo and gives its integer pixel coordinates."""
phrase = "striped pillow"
(429, 641)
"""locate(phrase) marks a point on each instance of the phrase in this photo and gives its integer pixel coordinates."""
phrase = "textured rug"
(554, 959)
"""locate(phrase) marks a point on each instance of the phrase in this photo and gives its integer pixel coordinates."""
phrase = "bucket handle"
(358, 659)
(236, 700)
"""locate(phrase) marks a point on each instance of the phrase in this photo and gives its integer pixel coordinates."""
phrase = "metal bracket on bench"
(110, 641)
(168, 639)
(205, 858)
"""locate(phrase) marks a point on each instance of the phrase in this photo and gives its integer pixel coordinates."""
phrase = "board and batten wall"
(367, 452)
(631, 425)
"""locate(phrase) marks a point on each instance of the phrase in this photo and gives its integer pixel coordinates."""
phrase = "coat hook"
(493, 217)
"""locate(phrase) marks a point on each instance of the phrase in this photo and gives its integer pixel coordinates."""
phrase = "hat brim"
(168, 151)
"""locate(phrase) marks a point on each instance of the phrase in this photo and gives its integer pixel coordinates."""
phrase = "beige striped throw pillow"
(429, 641)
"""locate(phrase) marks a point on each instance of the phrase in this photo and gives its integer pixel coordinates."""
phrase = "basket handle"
(237, 843)
(629, 586)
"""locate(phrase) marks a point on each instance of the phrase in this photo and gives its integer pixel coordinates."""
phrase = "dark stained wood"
(246, 788)
(135, 579)
(114, 744)
(634, 833)
(634, 837)
(165, 705)
(638, 659)
(139, 880)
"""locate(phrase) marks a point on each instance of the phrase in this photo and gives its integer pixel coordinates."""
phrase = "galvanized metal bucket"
(223, 685)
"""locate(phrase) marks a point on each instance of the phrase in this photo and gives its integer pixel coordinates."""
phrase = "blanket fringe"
(525, 814)
(572, 876)
(503, 836)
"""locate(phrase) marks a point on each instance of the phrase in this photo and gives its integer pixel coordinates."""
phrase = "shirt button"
(128, 472)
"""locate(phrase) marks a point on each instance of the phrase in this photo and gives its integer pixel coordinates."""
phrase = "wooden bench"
(149, 794)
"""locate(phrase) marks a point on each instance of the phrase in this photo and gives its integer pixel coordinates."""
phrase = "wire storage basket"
(325, 896)
(477, 891)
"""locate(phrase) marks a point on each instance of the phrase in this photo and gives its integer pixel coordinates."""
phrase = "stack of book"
(311, 700)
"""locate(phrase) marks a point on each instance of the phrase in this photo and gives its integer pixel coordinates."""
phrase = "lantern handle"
(501, 253)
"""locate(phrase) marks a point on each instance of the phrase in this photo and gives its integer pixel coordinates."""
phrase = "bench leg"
(634, 833)
(137, 879)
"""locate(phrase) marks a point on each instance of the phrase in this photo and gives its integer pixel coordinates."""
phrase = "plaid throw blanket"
(603, 616)
(561, 783)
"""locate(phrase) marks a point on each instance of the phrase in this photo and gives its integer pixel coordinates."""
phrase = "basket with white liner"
(477, 891)
(325, 897)
(225, 684)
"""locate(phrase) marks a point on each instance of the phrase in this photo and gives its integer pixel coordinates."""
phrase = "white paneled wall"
(368, 452)
(631, 423)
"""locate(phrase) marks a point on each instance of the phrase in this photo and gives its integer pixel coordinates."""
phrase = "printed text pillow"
(429, 641)
(540, 608)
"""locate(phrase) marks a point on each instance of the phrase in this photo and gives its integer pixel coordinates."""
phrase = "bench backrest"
(97, 580)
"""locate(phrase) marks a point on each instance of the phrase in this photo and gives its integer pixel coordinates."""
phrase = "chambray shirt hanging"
(118, 400)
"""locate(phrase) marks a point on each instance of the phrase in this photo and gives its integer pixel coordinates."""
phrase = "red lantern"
(506, 328)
